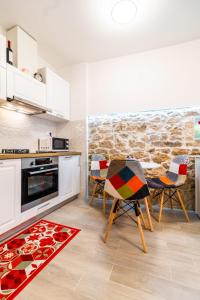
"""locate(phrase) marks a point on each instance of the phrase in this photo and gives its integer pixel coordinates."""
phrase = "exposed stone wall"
(154, 136)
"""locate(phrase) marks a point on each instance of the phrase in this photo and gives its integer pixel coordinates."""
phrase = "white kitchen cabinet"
(197, 185)
(57, 93)
(2, 83)
(25, 49)
(24, 86)
(69, 176)
(65, 177)
(76, 174)
(10, 189)
(2, 51)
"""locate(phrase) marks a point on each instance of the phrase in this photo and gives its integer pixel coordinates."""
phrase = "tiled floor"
(89, 269)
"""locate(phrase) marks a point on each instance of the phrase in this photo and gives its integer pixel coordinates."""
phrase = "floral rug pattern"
(25, 255)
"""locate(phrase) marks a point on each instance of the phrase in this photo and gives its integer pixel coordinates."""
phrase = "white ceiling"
(73, 31)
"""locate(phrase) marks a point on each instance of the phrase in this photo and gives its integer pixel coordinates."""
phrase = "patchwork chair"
(169, 184)
(98, 173)
(126, 183)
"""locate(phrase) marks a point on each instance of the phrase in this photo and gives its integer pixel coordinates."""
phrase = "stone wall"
(153, 136)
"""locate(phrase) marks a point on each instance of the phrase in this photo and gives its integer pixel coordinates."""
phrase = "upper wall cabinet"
(2, 51)
(2, 83)
(57, 94)
(24, 86)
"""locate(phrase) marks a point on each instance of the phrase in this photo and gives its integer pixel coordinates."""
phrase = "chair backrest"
(178, 169)
(99, 166)
(126, 181)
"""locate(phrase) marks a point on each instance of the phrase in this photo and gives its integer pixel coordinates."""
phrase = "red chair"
(98, 173)
(169, 184)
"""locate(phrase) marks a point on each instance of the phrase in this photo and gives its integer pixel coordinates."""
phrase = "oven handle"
(43, 171)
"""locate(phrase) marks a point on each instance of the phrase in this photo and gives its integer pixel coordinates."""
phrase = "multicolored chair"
(169, 184)
(126, 183)
(98, 173)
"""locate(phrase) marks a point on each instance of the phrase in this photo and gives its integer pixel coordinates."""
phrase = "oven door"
(38, 185)
(58, 144)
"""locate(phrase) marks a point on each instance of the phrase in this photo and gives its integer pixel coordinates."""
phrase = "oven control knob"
(32, 163)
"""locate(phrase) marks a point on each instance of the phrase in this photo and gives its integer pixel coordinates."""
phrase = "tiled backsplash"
(22, 131)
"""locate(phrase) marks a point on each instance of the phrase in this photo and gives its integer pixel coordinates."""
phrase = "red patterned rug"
(23, 256)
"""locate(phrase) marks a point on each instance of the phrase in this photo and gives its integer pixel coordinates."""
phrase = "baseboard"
(29, 222)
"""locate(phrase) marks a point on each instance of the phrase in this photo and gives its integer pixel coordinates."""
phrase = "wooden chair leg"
(104, 202)
(161, 205)
(171, 200)
(93, 193)
(141, 234)
(110, 220)
(143, 219)
(182, 205)
(148, 214)
(150, 200)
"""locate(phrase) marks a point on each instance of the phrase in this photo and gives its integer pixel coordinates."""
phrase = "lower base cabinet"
(76, 175)
(197, 185)
(10, 190)
(69, 176)
(10, 193)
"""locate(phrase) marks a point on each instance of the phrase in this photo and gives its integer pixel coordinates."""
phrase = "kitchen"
(99, 149)
(36, 178)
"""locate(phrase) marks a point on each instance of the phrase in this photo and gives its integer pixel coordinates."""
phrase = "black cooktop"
(15, 151)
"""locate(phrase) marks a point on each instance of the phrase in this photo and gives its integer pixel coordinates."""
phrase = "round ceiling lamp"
(124, 11)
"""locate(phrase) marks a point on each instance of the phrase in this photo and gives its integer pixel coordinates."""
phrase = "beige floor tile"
(165, 289)
(88, 269)
(108, 290)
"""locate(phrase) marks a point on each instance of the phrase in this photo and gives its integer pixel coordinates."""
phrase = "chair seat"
(156, 183)
(98, 178)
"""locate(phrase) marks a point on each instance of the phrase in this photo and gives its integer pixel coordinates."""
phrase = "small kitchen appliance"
(53, 144)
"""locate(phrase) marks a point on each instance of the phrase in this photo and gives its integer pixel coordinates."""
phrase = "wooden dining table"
(149, 165)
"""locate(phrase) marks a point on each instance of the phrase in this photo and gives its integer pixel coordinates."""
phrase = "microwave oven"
(53, 144)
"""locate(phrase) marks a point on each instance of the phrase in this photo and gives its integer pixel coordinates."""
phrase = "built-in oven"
(39, 181)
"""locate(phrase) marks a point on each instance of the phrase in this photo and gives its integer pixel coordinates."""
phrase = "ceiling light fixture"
(124, 11)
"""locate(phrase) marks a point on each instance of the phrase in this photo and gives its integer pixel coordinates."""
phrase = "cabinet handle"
(59, 115)
(43, 171)
(67, 157)
(43, 206)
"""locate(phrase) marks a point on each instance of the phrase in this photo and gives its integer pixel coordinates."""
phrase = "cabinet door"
(65, 177)
(59, 96)
(2, 51)
(25, 87)
(57, 93)
(60, 101)
(66, 101)
(10, 187)
(2, 83)
(197, 185)
(76, 175)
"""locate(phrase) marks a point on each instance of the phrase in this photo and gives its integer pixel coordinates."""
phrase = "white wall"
(79, 91)
(163, 78)
(76, 129)
(2, 30)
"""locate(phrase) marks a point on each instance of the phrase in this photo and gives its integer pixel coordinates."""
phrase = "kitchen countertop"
(46, 154)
